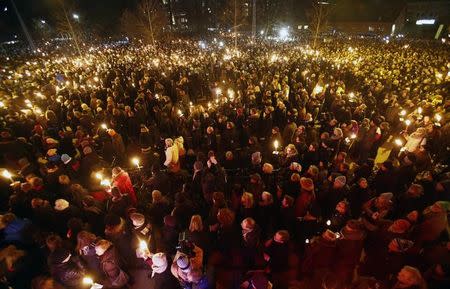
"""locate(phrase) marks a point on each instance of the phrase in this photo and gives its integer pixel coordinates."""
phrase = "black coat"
(164, 280)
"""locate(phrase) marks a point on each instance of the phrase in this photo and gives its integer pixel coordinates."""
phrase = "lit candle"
(104, 126)
(105, 183)
(328, 222)
(88, 281)
(143, 245)
(99, 176)
(398, 142)
(6, 174)
(276, 144)
(136, 162)
(438, 117)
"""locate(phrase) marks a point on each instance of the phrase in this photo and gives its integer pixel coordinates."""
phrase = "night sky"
(104, 15)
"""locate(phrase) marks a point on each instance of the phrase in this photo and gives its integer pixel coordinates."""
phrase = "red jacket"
(123, 183)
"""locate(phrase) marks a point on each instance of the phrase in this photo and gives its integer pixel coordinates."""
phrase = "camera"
(185, 246)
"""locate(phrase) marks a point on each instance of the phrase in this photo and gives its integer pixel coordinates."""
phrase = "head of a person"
(85, 238)
(339, 182)
(218, 199)
(281, 236)
(410, 277)
(53, 241)
(342, 207)
(168, 142)
(225, 217)
(196, 224)
(267, 168)
(102, 246)
(248, 225)
(363, 183)
(157, 196)
(266, 199)
(247, 200)
(287, 201)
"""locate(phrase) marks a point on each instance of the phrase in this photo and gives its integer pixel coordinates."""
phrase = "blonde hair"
(247, 200)
(64, 179)
(103, 244)
(196, 224)
(267, 168)
(157, 196)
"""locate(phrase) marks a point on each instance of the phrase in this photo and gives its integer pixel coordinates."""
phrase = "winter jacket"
(110, 264)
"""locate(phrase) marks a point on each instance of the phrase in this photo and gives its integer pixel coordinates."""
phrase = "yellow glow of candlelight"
(143, 245)
(105, 183)
(6, 174)
(135, 161)
(88, 281)
(276, 144)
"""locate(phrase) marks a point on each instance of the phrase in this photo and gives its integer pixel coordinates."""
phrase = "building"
(425, 18)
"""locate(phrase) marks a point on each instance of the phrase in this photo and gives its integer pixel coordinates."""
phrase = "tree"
(148, 20)
(236, 15)
(66, 23)
(319, 19)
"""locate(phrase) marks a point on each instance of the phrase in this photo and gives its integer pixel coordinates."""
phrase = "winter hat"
(341, 180)
(183, 262)
(307, 184)
(65, 158)
(159, 263)
(137, 219)
(61, 204)
(60, 256)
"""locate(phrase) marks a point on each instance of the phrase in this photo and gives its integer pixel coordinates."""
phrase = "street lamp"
(76, 16)
(43, 21)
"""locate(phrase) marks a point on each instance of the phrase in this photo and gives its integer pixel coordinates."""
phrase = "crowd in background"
(265, 165)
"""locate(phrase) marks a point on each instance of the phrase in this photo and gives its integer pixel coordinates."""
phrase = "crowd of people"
(261, 165)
